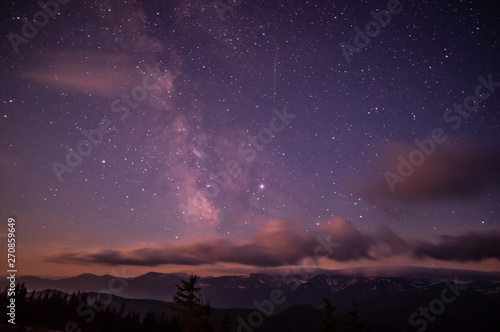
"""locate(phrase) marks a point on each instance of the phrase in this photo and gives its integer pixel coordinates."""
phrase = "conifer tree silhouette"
(352, 323)
(327, 321)
(194, 315)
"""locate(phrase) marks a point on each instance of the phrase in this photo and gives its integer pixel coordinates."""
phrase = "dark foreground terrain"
(263, 303)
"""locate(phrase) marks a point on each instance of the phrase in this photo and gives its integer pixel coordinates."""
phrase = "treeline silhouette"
(78, 312)
(59, 311)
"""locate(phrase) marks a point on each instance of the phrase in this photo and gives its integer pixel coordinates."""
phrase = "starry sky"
(178, 136)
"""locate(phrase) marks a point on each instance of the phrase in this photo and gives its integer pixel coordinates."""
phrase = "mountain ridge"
(241, 291)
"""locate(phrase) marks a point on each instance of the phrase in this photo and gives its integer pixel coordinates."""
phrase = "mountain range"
(385, 303)
(240, 291)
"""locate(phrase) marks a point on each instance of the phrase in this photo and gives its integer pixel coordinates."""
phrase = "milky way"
(158, 124)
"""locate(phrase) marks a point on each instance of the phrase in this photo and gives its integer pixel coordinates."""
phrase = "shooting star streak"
(274, 86)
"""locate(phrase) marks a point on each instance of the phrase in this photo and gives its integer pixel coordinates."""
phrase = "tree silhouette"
(52, 310)
(188, 295)
(327, 321)
(194, 315)
(351, 323)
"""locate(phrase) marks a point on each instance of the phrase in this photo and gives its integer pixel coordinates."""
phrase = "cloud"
(138, 257)
(467, 247)
(354, 244)
(282, 242)
(94, 73)
(100, 69)
(449, 172)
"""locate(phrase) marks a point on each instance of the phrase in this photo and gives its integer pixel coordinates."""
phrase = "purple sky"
(156, 136)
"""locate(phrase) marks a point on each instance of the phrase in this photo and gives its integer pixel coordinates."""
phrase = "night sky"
(172, 136)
